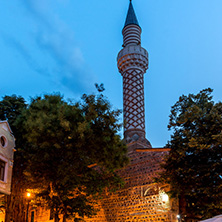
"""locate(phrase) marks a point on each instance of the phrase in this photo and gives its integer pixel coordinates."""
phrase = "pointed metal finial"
(131, 16)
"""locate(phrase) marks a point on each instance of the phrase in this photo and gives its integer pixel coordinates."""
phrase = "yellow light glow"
(28, 194)
(165, 197)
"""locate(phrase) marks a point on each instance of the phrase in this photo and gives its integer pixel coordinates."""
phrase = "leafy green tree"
(74, 150)
(193, 167)
(11, 108)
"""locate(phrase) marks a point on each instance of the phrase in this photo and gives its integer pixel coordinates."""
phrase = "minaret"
(132, 64)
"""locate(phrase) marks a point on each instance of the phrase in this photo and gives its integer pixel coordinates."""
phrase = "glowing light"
(178, 216)
(28, 194)
(165, 197)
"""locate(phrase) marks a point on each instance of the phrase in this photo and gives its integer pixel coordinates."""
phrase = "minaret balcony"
(132, 57)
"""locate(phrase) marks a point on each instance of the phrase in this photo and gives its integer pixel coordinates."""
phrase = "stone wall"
(140, 199)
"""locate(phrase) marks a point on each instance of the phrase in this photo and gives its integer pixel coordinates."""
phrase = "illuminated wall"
(140, 199)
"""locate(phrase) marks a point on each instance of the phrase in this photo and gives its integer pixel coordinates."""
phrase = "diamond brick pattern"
(133, 100)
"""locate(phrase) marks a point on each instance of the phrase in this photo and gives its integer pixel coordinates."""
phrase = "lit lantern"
(165, 197)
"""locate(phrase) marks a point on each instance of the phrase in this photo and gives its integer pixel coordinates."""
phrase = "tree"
(74, 151)
(11, 108)
(193, 167)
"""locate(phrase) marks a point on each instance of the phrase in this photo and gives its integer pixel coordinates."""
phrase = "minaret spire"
(131, 16)
(132, 63)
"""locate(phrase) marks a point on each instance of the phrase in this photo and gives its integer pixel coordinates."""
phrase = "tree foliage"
(73, 151)
(11, 108)
(68, 151)
(194, 165)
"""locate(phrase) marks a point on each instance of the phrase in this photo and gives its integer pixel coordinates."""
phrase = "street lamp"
(28, 195)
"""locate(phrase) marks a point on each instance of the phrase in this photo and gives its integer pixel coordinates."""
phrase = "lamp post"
(28, 195)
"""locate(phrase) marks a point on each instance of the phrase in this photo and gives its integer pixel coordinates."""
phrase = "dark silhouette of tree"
(74, 150)
(194, 165)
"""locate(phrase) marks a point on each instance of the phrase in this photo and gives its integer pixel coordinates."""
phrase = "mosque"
(140, 199)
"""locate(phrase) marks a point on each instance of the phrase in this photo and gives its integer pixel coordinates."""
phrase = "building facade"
(7, 148)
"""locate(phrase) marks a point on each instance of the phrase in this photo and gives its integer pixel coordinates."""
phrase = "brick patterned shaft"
(133, 92)
(132, 63)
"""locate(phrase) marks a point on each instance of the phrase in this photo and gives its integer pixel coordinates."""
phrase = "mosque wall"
(141, 199)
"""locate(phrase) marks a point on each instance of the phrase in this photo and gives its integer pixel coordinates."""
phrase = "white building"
(7, 148)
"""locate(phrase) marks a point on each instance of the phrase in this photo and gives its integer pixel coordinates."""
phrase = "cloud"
(56, 39)
(24, 52)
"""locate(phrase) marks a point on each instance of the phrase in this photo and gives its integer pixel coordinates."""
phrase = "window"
(2, 170)
(32, 216)
(3, 141)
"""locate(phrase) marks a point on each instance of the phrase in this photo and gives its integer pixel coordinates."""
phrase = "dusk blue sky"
(66, 46)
